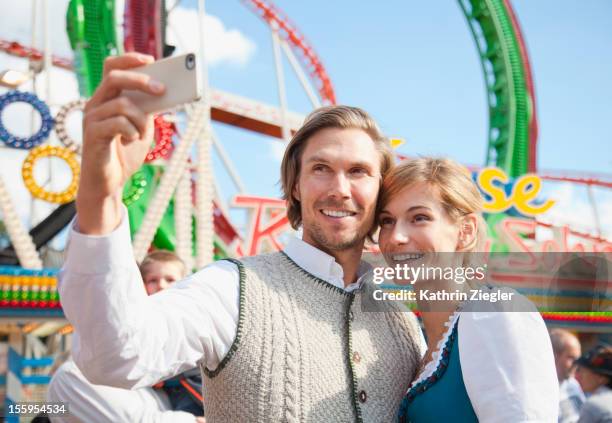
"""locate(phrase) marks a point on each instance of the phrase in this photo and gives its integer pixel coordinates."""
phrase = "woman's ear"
(467, 231)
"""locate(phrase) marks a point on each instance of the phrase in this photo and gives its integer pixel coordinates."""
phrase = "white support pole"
(182, 219)
(204, 185)
(299, 72)
(174, 171)
(21, 239)
(280, 79)
(33, 33)
(48, 58)
(594, 208)
(220, 199)
(47, 69)
(33, 112)
(227, 163)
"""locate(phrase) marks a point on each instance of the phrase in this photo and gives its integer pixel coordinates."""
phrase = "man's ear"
(467, 231)
(296, 192)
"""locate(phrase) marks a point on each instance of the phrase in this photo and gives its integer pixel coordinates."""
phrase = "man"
(566, 349)
(279, 337)
(594, 373)
(98, 403)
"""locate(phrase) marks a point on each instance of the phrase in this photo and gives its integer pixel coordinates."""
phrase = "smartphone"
(179, 75)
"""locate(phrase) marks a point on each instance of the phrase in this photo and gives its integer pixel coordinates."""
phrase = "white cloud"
(574, 209)
(222, 45)
(277, 150)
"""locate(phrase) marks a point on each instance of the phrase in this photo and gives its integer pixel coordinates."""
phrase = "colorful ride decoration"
(164, 131)
(134, 188)
(45, 116)
(60, 124)
(92, 30)
(145, 27)
(23, 289)
(23, 246)
(27, 171)
(268, 219)
(510, 93)
(165, 236)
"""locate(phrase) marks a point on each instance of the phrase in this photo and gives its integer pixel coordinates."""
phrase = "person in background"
(99, 403)
(566, 348)
(160, 269)
(594, 373)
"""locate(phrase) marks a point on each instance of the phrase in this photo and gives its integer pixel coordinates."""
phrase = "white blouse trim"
(433, 364)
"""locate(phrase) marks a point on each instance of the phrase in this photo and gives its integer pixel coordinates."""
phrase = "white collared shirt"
(127, 339)
(104, 404)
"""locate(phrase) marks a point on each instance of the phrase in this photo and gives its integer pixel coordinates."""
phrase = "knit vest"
(306, 352)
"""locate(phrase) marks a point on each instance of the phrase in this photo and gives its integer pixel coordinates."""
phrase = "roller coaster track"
(306, 54)
(510, 94)
(15, 48)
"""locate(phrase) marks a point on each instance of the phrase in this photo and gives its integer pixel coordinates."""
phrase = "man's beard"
(323, 241)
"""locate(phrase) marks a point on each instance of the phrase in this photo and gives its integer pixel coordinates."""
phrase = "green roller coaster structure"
(92, 30)
(512, 125)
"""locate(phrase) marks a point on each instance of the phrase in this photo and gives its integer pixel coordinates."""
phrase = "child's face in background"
(159, 275)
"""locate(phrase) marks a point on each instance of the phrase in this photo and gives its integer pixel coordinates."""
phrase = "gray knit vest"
(306, 352)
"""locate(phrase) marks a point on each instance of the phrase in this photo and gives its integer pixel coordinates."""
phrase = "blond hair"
(457, 191)
(161, 256)
(341, 117)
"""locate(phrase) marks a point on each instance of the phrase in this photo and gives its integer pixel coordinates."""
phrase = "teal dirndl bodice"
(441, 397)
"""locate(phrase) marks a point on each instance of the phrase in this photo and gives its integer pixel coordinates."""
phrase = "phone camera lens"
(190, 61)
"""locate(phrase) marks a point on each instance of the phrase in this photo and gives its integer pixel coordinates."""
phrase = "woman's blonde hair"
(341, 117)
(453, 182)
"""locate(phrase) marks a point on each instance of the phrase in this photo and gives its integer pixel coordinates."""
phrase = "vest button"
(356, 357)
(362, 396)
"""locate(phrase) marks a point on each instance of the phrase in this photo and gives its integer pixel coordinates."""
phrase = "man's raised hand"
(116, 138)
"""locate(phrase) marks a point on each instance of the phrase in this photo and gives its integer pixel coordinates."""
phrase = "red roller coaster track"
(14, 48)
(287, 30)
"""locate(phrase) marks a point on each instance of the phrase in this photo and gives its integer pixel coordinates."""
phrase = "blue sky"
(414, 67)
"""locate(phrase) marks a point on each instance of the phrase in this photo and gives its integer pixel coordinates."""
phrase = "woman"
(594, 374)
(486, 366)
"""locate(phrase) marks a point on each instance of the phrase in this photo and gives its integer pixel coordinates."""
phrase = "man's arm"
(127, 339)
(122, 337)
(116, 138)
(103, 404)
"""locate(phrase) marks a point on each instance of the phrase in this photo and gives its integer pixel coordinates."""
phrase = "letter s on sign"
(526, 188)
(498, 202)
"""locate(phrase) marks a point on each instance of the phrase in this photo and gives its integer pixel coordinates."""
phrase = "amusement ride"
(174, 201)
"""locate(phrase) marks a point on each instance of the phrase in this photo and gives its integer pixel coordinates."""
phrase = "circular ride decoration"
(27, 172)
(164, 131)
(46, 123)
(60, 124)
